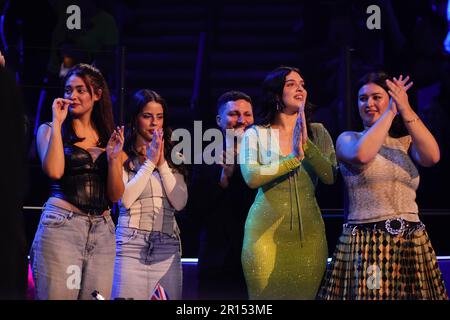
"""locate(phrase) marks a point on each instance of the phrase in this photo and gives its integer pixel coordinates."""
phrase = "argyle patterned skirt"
(370, 264)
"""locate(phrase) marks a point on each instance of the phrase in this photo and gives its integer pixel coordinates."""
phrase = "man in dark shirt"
(221, 201)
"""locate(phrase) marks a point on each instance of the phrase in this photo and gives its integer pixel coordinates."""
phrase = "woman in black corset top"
(74, 246)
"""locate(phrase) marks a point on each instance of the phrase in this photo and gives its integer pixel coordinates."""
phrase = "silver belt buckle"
(392, 231)
(354, 228)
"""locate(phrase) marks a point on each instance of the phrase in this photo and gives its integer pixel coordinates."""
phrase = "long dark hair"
(271, 99)
(135, 107)
(102, 114)
(379, 78)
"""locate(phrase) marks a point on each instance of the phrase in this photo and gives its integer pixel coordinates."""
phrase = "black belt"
(394, 226)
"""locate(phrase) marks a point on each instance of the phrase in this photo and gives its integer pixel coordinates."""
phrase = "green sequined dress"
(285, 250)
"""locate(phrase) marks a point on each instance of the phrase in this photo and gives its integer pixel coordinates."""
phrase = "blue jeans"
(144, 259)
(72, 255)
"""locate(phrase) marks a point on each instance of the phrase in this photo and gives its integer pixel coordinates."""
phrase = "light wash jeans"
(72, 255)
(144, 259)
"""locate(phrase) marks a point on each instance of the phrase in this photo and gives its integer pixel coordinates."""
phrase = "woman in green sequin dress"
(285, 251)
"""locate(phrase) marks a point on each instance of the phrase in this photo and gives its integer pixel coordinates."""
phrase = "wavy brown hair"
(102, 113)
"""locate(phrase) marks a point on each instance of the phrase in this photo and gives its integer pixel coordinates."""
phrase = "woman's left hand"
(115, 143)
(399, 95)
(403, 82)
(298, 139)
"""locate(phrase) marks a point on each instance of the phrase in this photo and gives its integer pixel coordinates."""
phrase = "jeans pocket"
(53, 219)
(125, 235)
(172, 241)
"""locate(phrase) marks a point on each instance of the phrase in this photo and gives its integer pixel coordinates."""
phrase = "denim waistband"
(70, 213)
(147, 233)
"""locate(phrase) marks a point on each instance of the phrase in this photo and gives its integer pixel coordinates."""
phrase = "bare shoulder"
(43, 137)
(46, 126)
(44, 131)
(348, 137)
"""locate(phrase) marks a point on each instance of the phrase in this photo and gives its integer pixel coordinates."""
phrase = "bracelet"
(412, 120)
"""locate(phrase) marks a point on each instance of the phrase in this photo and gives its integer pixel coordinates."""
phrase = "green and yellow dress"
(285, 250)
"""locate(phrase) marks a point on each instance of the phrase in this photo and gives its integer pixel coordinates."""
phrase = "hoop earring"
(278, 107)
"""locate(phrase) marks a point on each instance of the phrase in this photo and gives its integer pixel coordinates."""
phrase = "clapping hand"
(300, 133)
(115, 143)
(399, 98)
(154, 148)
(162, 158)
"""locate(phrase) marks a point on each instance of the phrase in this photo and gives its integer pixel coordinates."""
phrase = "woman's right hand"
(402, 83)
(299, 136)
(153, 149)
(60, 108)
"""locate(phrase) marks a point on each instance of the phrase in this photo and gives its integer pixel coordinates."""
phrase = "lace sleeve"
(321, 154)
(258, 169)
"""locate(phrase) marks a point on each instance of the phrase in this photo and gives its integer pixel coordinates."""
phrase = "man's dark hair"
(231, 96)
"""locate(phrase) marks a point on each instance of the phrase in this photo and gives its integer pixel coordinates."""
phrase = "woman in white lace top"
(384, 252)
